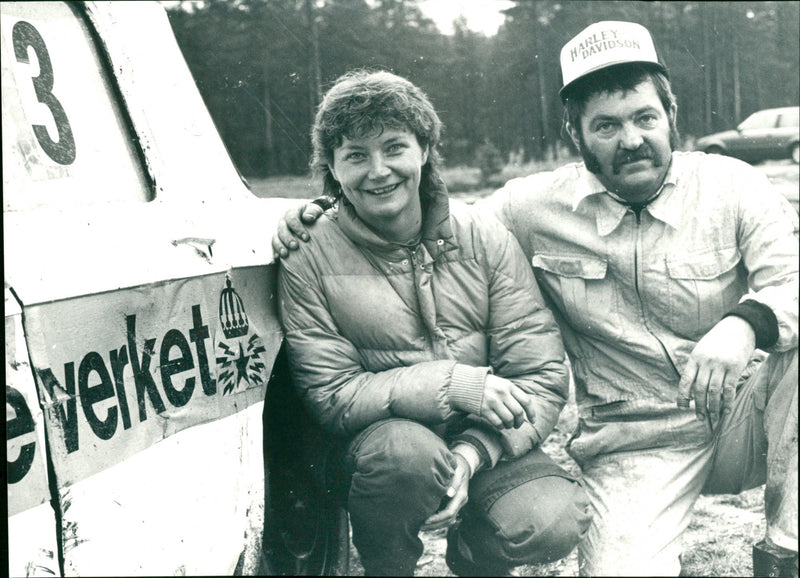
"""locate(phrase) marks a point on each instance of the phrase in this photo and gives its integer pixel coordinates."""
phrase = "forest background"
(262, 66)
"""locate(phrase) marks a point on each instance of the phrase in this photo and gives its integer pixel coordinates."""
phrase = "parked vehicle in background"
(773, 133)
(141, 334)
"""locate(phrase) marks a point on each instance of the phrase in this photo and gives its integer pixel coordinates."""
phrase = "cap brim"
(565, 89)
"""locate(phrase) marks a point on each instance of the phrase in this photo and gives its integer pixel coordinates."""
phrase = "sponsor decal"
(117, 372)
(238, 362)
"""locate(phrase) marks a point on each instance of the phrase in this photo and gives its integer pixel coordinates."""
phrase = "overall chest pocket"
(703, 287)
(579, 287)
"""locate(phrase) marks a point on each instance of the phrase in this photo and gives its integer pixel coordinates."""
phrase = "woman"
(417, 334)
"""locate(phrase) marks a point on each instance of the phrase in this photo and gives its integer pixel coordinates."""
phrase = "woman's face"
(380, 176)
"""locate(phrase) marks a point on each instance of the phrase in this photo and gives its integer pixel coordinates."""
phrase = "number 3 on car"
(140, 324)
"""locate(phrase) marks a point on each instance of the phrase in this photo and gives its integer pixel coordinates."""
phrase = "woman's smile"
(380, 175)
(383, 190)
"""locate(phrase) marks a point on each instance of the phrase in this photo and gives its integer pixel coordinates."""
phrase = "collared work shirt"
(633, 294)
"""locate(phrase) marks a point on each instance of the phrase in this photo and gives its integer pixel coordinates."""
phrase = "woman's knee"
(542, 520)
(403, 452)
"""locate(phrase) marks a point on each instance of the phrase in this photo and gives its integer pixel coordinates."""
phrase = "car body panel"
(31, 519)
(153, 415)
(130, 245)
(766, 134)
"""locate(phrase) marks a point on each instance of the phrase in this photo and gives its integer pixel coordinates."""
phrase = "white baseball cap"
(605, 44)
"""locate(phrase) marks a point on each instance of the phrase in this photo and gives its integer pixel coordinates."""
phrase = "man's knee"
(784, 373)
(540, 521)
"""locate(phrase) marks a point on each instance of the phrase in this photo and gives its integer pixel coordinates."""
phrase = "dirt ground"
(717, 543)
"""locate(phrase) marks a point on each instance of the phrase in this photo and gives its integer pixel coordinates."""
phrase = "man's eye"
(605, 127)
(648, 120)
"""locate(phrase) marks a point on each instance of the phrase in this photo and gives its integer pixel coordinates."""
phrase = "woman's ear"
(332, 171)
(425, 155)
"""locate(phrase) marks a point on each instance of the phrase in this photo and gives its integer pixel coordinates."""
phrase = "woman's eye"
(353, 157)
(395, 148)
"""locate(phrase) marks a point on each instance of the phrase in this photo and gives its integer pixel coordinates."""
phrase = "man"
(674, 279)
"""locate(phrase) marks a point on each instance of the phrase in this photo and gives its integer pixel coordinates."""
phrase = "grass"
(460, 180)
(719, 539)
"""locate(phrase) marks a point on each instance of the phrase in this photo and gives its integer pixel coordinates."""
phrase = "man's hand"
(291, 226)
(714, 367)
(457, 496)
(505, 404)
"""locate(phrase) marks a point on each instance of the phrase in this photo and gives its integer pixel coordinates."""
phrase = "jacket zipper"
(415, 271)
(664, 350)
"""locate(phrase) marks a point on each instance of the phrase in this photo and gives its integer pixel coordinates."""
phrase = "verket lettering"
(96, 384)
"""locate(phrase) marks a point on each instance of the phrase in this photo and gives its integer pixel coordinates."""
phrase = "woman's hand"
(505, 404)
(456, 498)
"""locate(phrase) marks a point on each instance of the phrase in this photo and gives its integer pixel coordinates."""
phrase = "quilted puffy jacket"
(376, 329)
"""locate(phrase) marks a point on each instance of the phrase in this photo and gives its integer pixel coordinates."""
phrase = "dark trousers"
(394, 475)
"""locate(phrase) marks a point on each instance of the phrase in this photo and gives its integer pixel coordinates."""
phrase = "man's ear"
(573, 134)
(332, 171)
(673, 113)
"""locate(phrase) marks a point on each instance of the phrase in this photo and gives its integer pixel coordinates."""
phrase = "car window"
(759, 120)
(790, 118)
(66, 139)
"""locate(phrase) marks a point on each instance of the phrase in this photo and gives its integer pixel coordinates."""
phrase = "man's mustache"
(624, 157)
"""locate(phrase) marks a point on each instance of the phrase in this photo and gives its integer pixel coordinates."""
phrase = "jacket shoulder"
(556, 187)
(325, 239)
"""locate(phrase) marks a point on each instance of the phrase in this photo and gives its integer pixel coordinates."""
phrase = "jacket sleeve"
(524, 341)
(327, 369)
(767, 235)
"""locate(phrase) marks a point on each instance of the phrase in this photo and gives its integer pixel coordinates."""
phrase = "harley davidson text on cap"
(605, 44)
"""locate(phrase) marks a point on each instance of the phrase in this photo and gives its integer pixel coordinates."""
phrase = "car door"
(788, 131)
(139, 302)
(756, 136)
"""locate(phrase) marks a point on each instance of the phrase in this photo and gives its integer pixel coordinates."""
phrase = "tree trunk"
(269, 137)
(719, 67)
(737, 87)
(706, 31)
(314, 74)
(545, 136)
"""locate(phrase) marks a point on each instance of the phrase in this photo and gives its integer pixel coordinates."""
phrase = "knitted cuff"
(487, 443)
(465, 392)
(471, 454)
(324, 202)
(761, 318)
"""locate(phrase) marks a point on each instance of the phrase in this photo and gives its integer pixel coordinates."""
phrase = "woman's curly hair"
(365, 102)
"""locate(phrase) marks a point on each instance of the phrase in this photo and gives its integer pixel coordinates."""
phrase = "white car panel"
(141, 285)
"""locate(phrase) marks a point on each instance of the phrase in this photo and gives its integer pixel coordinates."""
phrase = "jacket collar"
(437, 232)
(590, 195)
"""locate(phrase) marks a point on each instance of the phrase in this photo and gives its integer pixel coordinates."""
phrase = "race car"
(141, 334)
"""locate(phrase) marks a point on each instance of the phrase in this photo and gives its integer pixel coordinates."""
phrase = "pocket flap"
(705, 265)
(583, 267)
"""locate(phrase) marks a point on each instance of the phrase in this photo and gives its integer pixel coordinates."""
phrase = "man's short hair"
(620, 78)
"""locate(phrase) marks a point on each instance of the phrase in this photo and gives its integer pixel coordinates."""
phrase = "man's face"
(625, 140)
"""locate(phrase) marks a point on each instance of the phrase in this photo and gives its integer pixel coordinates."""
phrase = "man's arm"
(767, 238)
